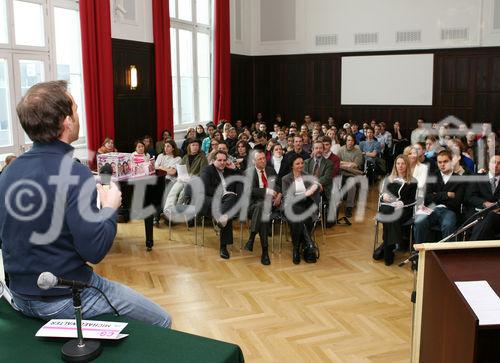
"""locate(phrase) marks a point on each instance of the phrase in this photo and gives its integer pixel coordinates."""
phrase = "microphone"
(105, 174)
(48, 280)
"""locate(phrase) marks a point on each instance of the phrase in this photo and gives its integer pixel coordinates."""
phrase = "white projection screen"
(387, 80)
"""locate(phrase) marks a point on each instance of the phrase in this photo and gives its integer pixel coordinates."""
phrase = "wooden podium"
(445, 327)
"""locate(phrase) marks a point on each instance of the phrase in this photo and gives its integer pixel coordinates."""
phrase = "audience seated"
(322, 169)
(351, 164)
(166, 164)
(265, 196)
(148, 146)
(420, 133)
(140, 153)
(165, 135)
(371, 150)
(297, 150)
(484, 194)
(443, 200)
(419, 172)
(190, 135)
(108, 146)
(299, 194)
(397, 202)
(213, 176)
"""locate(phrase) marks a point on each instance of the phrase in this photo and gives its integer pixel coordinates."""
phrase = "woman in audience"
(332, 134)
(148, 145)
(464, 160)
(140, 151)
(166, 163)
(269, 146)
(108, 146)
(205, 144)
(194, 158)
(289, 146)
(168, 159)
(241, 155)
(225, 130)
(294, 186)
(276, 161)
(191, 134)
(306, 140)
(165, 135)
(200, 132)
(397, 203)
(419, 172)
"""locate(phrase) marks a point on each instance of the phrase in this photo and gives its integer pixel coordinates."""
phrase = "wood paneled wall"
(466, 85)
(135, 110)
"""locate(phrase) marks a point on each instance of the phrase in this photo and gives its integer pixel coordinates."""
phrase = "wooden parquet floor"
(345, 308)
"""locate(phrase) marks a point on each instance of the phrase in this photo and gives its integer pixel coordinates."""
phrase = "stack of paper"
(482, 299)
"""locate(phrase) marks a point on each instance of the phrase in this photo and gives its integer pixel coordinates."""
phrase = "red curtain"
(97, 59)
(161, 33)
(222, 59)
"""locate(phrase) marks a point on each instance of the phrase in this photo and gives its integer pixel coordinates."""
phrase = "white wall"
(140, 29)
(344, 18)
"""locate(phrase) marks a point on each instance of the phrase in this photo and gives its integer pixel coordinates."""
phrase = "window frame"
(194, 28)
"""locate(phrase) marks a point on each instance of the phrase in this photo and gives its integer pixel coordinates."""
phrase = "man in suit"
(298, 145)
(444, 196)
(321, 168)
(265, 190)
(484, 194)
(213, 176)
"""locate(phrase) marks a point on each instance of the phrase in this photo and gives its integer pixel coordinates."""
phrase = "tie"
(493, 182)
(316, 168)
(263, 178)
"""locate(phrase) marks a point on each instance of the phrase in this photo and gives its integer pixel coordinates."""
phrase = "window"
(42, 43)
(191, 42)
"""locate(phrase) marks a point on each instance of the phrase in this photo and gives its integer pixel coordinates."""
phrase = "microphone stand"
(79, 350)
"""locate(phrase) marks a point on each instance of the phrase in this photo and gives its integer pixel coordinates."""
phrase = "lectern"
(445, 328)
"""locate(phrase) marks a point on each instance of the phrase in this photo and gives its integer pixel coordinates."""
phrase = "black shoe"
(265, 257)
(378, 254)
(224, 253)
(249, 245)
(296, 256)
(348, 212)
(156, 222)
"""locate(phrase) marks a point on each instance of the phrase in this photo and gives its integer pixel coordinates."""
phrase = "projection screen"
(387, 80)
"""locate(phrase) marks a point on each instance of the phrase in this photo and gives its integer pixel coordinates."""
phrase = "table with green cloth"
(145, 343)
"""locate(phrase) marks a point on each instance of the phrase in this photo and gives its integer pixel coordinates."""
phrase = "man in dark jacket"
(484, 194)
(217, 187)
(265, 194)
(444, 197)
(49, 220)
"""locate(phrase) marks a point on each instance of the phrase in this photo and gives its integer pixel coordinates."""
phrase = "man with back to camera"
(67, 230)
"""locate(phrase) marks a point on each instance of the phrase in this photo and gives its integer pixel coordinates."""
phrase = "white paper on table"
(91, 329)
(482, 299)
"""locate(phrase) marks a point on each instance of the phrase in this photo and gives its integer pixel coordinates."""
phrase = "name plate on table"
(91, 329)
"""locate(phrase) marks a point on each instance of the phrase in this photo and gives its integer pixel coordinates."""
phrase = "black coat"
(479, 192)
(437, 191)
(211, 180)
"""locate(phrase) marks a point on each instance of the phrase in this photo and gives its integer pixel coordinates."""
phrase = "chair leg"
(241, 235)
(195, 230)
(281, 235)
(272, 236)
(170, 225)
(411, 238)
(203, 231)
(375, 240)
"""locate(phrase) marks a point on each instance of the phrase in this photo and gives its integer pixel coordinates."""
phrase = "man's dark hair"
(261, 134)
(445, 152)
(221, 152)
(43, 109)
(327, 139)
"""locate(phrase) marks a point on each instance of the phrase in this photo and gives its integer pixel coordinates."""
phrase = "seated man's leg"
(422, 224)
(351, 195)
(447, 221)
(487, 229)
(127, 301)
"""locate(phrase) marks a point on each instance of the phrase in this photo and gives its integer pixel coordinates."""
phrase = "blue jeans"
(127, 302)
(443, 217)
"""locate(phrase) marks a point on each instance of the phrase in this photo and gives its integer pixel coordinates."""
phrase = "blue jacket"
(25, 212)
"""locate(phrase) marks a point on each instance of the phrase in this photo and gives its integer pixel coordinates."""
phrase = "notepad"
(482, 299)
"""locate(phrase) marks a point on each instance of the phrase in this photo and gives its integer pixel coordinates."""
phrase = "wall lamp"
(132, 80)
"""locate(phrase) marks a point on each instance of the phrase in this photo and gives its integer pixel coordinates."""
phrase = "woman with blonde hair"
(418, 169)
(108, 146)
(396, 207)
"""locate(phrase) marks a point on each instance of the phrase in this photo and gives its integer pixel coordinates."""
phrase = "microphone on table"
(48, 280)
(105, 173)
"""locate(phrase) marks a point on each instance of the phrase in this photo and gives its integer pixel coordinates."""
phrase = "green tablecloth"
(146, 343)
